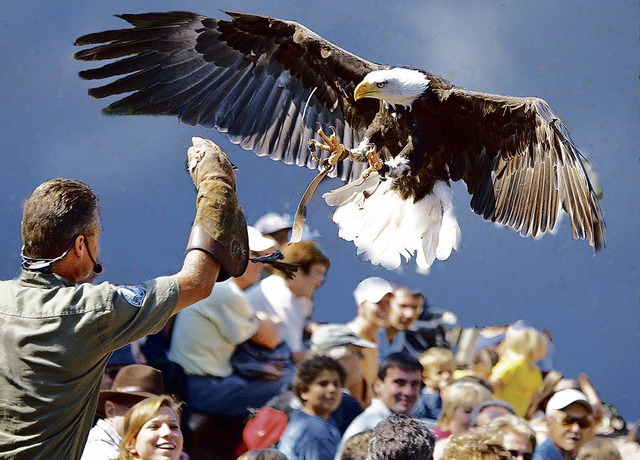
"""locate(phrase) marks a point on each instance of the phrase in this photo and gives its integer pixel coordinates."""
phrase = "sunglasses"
(516, 454)
(583, 422)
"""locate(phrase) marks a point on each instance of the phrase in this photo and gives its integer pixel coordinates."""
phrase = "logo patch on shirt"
(133, 294)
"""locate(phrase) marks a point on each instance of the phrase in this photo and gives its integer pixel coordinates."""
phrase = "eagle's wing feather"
(520, 164)
(264, 82)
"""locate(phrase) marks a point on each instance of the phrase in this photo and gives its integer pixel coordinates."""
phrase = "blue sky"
(582, 57)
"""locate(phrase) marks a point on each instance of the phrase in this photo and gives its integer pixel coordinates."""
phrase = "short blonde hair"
(140, 414)
(460, 394)
(599, 449)
(514, 424)
(525, 343)
(436, 357)
(476, 444)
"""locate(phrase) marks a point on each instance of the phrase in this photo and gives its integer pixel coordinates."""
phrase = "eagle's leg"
(375, 163)
(337, 151)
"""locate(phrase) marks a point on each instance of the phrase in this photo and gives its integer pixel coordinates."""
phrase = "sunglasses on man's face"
(517, 455)
(583, 422)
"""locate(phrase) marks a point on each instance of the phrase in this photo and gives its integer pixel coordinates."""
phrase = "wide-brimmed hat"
(327, 336)
(133, 383)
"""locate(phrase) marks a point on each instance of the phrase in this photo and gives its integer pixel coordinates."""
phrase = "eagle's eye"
(381, 84)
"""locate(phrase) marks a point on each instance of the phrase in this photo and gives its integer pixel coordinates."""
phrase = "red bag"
(265, 428)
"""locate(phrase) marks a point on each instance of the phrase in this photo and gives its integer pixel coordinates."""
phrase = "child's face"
(460, 419)
(439, 376)
(324, 394)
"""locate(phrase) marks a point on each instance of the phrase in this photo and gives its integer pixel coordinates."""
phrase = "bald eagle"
(399, 135)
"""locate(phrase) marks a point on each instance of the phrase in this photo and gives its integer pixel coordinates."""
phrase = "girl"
(516, 378)
(152, 430)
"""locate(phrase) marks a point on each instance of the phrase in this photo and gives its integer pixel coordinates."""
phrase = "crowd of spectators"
(246, 372)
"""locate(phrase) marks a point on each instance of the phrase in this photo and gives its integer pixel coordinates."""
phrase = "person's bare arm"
(268, 334)
(196, 279)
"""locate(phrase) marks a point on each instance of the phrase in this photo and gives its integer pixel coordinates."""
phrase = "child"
(480, 365)
(309, 434)
(458, 401)
(516, 378)
(438, 366)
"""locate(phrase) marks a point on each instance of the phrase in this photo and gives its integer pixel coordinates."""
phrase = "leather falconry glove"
(219, 228)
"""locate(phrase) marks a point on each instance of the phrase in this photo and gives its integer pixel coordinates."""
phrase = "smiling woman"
(152, 427)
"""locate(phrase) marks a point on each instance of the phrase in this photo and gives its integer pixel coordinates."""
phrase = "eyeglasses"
(583, 422)
(516, 454)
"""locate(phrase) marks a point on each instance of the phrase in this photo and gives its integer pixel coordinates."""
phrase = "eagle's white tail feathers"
(386, 228)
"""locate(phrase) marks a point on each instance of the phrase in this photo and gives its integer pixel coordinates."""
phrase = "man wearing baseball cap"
(372, 296)
(571, 424)
(342, 344)
(131, 385)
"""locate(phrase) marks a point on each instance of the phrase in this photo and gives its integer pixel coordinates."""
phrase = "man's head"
(59, 214)
(398, 383)
(312, 267)
(405, 310)
(131, 385)
(570, 420)
(399, 437)
(342, 344)
(275, 226)
(373, 296)
(259, 245)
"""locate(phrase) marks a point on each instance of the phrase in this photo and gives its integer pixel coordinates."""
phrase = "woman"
(152, 430)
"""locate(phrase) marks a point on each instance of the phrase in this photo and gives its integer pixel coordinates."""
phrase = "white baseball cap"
(372, 290)
(258, 242)
(564, 398)
(273, 222)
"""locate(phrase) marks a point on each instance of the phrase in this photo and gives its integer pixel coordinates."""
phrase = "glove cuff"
(232, 256)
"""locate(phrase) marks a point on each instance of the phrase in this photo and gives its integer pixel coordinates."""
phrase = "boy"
(309, 434)
(438, 367)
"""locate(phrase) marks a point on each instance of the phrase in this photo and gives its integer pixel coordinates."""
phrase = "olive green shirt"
(55, 340)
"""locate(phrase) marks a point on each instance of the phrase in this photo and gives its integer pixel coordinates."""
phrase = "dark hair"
(400, 360)
(305, 254)
(357, 446)
(57, 211)
(399, 437)
(311, 368)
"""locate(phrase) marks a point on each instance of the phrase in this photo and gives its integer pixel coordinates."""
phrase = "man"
(206, 335)
(132, 384)
(372, 296)
(58, 334)
(400, 437)
(289, 301)
(276, 226)
(405, 309)
(571, 424)
(396, 389)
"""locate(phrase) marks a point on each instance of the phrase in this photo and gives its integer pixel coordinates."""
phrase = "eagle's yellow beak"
(364, 89)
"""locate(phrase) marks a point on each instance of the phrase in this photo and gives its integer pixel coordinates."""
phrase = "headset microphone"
(97, 267)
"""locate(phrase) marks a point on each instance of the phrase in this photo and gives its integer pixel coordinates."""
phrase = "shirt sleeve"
(134, 311)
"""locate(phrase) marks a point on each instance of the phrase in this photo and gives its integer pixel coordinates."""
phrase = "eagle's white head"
(396, 87)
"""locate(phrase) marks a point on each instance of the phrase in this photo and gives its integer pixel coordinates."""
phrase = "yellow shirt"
(519, 383)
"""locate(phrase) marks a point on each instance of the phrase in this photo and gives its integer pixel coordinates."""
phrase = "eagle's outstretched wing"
(262, 81)
(520, 164)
